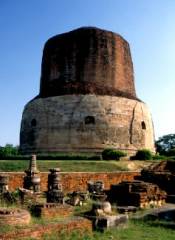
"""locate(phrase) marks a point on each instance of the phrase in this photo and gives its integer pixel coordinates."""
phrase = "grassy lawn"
(134, 231)
(74, 165)
(65, 165)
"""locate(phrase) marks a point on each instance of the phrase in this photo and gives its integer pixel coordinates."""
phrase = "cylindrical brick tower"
(87, 100)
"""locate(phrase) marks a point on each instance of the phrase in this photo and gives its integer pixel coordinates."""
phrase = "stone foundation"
(86, 123)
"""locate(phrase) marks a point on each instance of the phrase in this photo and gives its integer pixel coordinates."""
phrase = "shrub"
(159, 157)
(171, 152)
(57, 156)
(9, 150)
(112, 154)
(67, 156)
(143, 154)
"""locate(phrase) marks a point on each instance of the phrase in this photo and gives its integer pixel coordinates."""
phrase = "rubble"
(137, 193)
(96, 190)
(162, 174)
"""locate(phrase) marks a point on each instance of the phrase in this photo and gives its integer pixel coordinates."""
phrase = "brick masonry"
(37, 231)
(87, 61)
(74, 181)
(52, 210)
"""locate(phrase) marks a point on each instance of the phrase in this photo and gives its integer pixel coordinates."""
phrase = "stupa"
(87, 100)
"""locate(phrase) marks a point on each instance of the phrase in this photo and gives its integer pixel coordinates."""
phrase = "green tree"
(165, 143)
(9, 150)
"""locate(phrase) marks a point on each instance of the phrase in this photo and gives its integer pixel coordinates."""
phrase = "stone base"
(101, 223)
(85, 124)
(127, 209)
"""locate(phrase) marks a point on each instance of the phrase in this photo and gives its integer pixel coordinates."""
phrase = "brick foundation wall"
(75, 181)
(52, 210)
(36, 232)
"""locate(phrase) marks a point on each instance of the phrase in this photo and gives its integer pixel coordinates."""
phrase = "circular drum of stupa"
(87, 100)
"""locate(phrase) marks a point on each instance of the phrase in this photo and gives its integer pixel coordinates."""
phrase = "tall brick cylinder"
(87, 60)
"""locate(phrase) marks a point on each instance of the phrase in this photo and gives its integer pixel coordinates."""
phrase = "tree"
(8, 150)
(165, 143)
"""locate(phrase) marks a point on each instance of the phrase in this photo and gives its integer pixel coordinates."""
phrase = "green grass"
(65, 165)
(134, 231)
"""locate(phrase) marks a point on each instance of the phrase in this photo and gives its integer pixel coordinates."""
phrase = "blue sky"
(148, 25)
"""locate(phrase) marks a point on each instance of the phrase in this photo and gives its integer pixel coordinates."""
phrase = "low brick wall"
(52, 210)
(74, 181)
(38, 231)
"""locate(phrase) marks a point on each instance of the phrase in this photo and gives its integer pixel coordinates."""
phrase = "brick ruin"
(125, 197)
(87, 100)
(162, 174)
(10, 216)
(137, 193)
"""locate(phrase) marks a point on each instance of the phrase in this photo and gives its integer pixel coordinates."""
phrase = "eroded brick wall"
(87, 60)
(75, 181)
(38, 231)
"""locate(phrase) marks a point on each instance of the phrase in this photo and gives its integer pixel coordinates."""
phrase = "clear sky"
(148, 25)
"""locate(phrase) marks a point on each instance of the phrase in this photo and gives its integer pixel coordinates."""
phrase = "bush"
(143, 154)
(159, 157)
(170, 153)
(67, 156)
(8, 150)
(112, 154)
(57, 156)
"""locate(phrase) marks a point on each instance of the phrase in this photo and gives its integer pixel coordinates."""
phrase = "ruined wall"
(38, 231)
(86, 123)
(74, 181)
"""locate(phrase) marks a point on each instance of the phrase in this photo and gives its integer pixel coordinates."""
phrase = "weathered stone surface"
(78, 198)
(54, 193)
(96, 190)
(4, 179)
(103, 217)
(107, 222)
(32, 178)
(61, 124)
(87, 100)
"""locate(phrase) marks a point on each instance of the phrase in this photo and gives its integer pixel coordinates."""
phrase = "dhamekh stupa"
(87, 100)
